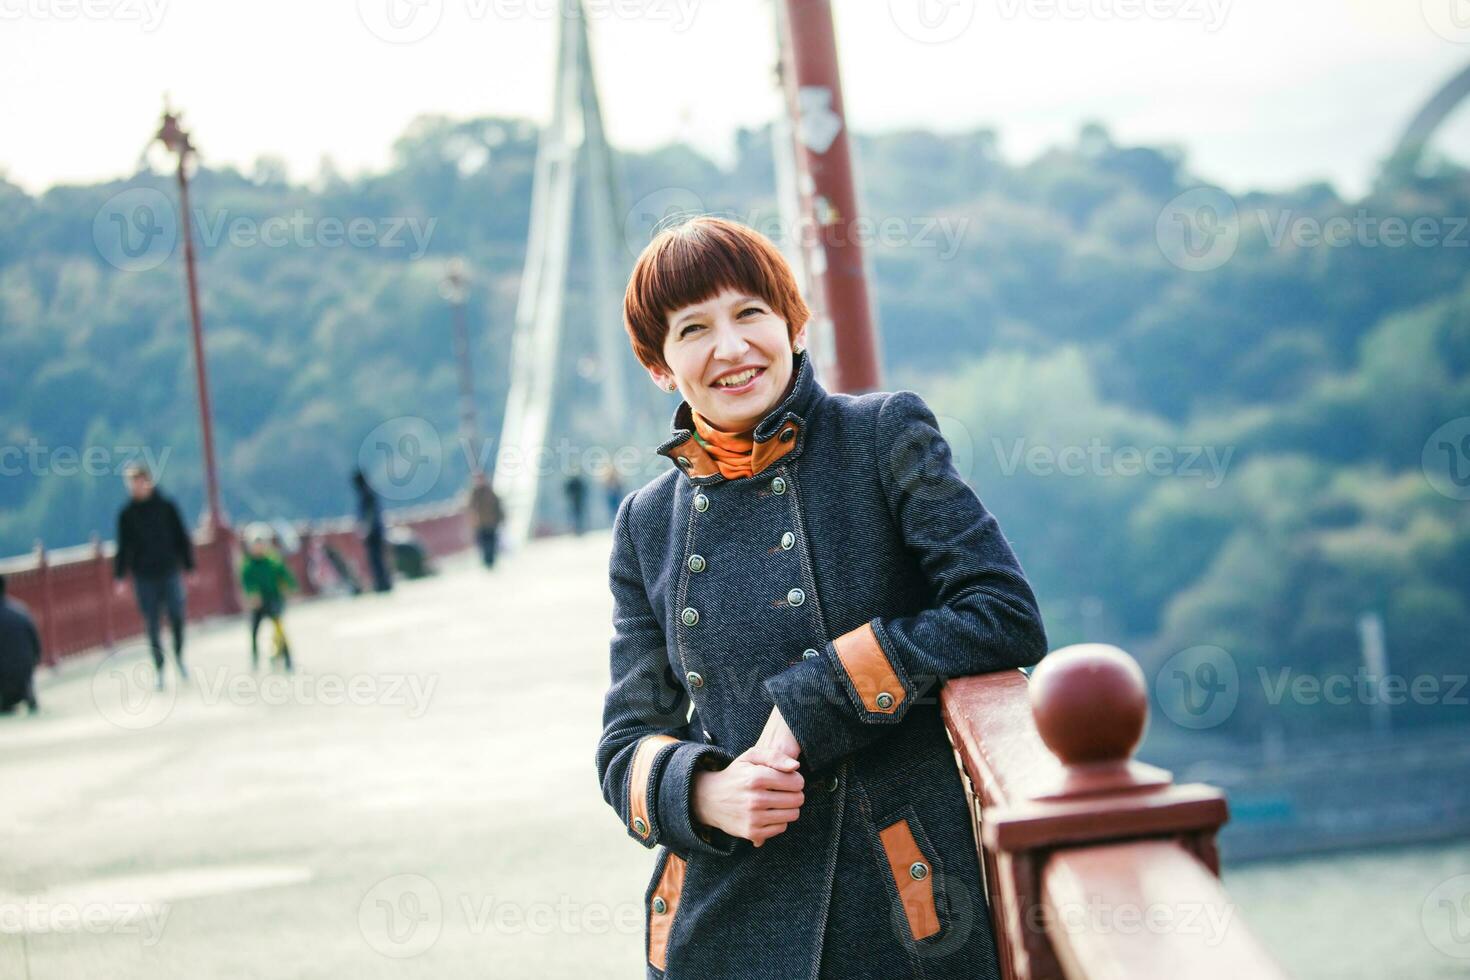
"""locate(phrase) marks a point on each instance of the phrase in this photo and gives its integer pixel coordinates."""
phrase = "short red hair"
(696, 261)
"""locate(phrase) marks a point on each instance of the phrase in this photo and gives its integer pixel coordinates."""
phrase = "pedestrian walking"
(154, 547)
(576, 491)
(483, 510)
(612, 490)
(20, 654)
(370, 527)
(804, 578)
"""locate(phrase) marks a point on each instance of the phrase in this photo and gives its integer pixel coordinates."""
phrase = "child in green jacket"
(265, 578)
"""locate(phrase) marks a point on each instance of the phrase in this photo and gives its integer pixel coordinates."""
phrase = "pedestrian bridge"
(420, 800)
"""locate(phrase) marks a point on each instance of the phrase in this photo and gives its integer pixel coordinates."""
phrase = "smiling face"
(731, 357)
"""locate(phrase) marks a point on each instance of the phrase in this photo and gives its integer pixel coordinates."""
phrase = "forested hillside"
(1247, 451)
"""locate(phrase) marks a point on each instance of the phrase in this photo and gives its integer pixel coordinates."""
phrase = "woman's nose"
(730, 343)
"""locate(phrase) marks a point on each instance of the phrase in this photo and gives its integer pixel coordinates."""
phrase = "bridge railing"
(70, 591)
(1096, 865)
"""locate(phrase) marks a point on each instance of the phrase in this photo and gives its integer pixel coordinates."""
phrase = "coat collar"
(780, 434)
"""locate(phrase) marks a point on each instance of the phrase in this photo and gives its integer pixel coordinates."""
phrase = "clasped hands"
(759, 792)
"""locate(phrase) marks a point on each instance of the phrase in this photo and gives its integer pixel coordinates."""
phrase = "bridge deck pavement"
(420, 800)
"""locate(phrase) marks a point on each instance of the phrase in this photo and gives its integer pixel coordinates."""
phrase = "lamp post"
(828, 195)
(172, 135)
(455, 289)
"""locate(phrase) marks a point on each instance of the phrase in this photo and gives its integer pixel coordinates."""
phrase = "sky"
(1262, 94)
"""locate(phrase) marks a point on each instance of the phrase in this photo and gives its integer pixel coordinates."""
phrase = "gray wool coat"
(844, 581)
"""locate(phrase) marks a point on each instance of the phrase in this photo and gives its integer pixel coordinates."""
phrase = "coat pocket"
(663, 903)
(913, 876)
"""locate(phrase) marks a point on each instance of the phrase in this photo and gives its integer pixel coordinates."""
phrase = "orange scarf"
(733, 452)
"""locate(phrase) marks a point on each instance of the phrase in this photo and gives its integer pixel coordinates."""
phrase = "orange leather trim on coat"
(700, 462)
(643, 757)
(868, 668)
(775, 448)
(670, 884)
(917, 894)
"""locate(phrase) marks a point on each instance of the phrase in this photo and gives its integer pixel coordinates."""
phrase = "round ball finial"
(1090, 702)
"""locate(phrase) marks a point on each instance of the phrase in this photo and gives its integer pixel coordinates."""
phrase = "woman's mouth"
(738, 384)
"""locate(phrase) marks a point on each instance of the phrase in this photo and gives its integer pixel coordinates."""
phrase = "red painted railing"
(1096, 866)
(70, 591)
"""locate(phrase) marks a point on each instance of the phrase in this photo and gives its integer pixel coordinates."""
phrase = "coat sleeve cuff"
(675, 815)
(840, 701)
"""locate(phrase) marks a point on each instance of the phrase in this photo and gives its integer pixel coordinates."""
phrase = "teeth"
(736, 380)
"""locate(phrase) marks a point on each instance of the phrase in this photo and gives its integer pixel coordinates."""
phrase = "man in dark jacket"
(20, 652)
(483, 507)
(153, 545)
(370, 526)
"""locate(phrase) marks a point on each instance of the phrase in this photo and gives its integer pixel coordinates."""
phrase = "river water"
(1391, 914)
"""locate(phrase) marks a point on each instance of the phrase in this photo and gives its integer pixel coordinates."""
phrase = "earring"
(797, 349)
(674, 386)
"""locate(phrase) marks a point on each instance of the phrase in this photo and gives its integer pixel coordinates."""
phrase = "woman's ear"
(661, 377)
(799, 340)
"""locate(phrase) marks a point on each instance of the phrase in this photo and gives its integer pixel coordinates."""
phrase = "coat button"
(696, 563)
(640, 826)
(778, 485)
(695, 678)
(701, 502)
(690, 616)
(787, 434)
(788, 541)
(884, 700)
(918, 871)
(832, 784)
(810, 654)
(659, 905)
(683, 462)
(796, 597)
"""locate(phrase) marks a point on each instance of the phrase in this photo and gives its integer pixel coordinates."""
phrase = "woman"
(787, 601)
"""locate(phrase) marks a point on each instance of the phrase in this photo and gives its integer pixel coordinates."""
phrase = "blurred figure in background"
(576, 491)
(484, 513)
(612, 489)
(153, 546)
(370, 526)
(265, 578)
(20, 652)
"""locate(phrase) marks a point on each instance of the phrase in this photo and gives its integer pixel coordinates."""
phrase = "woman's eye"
(688, 327)
(751, 309)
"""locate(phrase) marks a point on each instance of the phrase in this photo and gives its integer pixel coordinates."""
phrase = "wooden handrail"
(1075, 835)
